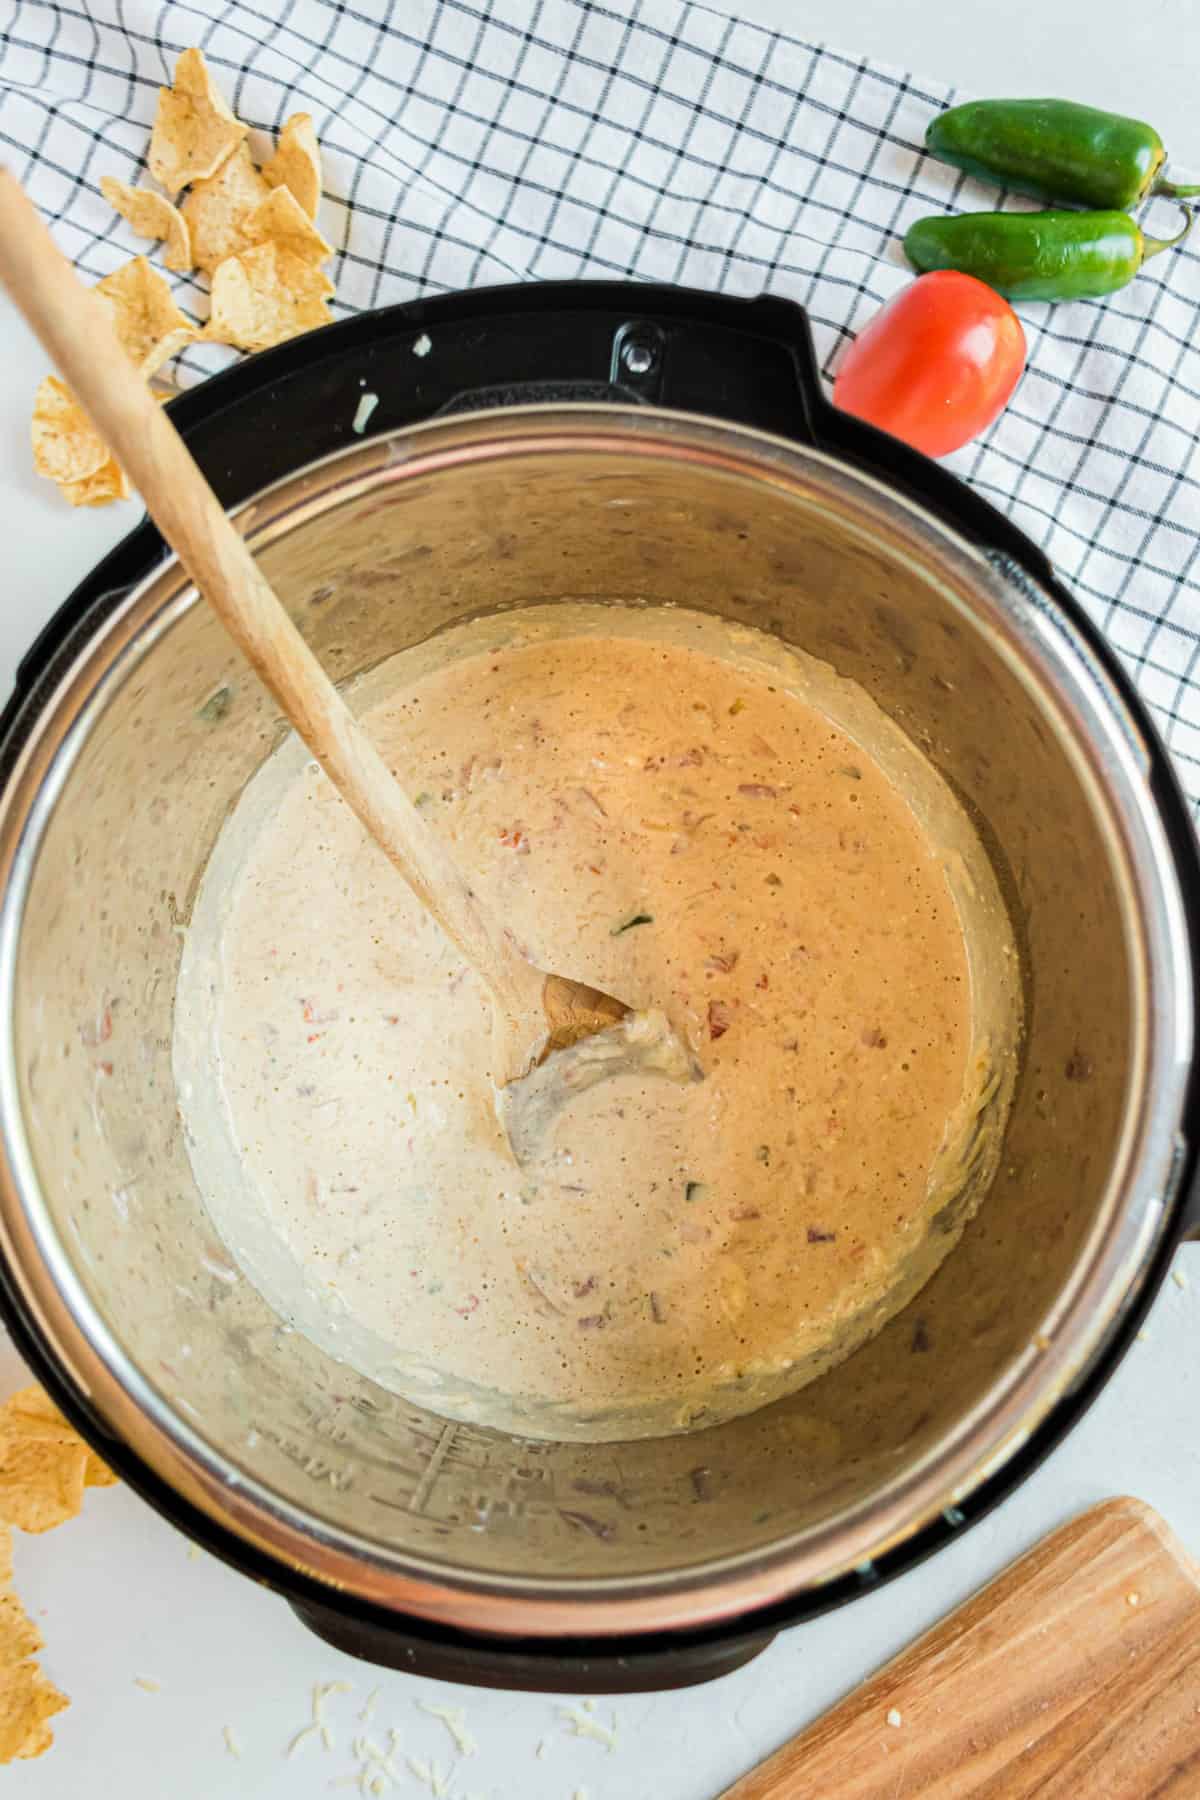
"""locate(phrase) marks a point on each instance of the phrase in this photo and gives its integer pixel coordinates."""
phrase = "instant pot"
(534, 444)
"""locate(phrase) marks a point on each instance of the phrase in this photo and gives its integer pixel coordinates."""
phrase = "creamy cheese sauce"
(687, 816)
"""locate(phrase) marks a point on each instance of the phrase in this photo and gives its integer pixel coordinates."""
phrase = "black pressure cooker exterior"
(749, 362)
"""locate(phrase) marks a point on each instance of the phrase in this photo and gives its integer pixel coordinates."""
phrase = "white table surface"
(120, 1595)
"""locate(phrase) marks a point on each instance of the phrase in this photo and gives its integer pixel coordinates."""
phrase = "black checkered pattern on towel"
(482, 141)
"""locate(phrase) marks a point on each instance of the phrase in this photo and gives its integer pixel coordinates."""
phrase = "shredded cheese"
(319, 1726)
(454, 1718)
(231, 1743)
(366, 407)
(430, 1774)
(148, 1682)
(583, 1725)
(376, 1769)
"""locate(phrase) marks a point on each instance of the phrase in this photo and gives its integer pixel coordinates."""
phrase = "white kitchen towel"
(468, 142)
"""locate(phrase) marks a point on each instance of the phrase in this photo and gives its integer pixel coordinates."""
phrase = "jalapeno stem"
(1173, 190)
(1152, 246)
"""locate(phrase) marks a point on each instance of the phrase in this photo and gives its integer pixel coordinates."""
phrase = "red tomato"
(936, 365)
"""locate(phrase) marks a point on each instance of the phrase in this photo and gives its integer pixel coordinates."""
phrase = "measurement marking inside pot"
(425, 1486)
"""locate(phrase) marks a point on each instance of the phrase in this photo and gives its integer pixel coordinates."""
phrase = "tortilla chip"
(42, 1460)
(194, 130)
(42, 1738)
(23, 1731)
(280, 219)
(32, 1413)
(41, 1484)
(151, 216)
(66, 445)
(149, 324)
(108, 483)
(44, 1464)
(296, 163)
(19, 1636)
(264, 296)
(97, 1473)
(27, 1700)
(216, 210)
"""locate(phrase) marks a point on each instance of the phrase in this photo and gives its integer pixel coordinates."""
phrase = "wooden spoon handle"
(75, 328)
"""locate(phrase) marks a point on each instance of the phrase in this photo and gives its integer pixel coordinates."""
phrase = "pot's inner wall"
(100, 947)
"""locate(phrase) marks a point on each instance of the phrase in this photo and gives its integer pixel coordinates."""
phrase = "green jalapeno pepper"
(1038, 255)
(1055, 150)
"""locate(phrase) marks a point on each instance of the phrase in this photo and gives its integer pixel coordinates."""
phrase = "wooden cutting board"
(1074, 1676)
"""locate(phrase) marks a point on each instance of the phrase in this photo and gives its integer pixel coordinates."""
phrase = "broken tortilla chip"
(296, 163)
(43, 1459)
(150, 326)
(151, 216)
(41, 1484)
(19, 1636)
(30, 1413)
(264, 296)
(216, 210)
(280, 219)
(194, 130)
(44, 1465)
(97, 1473)
(66, 445)
(27, 1700)
(108, 483)
(40, 1740)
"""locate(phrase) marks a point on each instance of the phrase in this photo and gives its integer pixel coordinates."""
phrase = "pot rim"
(1051, 657)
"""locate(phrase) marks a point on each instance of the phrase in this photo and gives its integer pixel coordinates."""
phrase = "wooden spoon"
(533, 1013)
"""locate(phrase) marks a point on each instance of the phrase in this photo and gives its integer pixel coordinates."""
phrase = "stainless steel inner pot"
(110, 814)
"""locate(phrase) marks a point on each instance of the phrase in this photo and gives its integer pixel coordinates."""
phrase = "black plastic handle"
(529, 1665)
